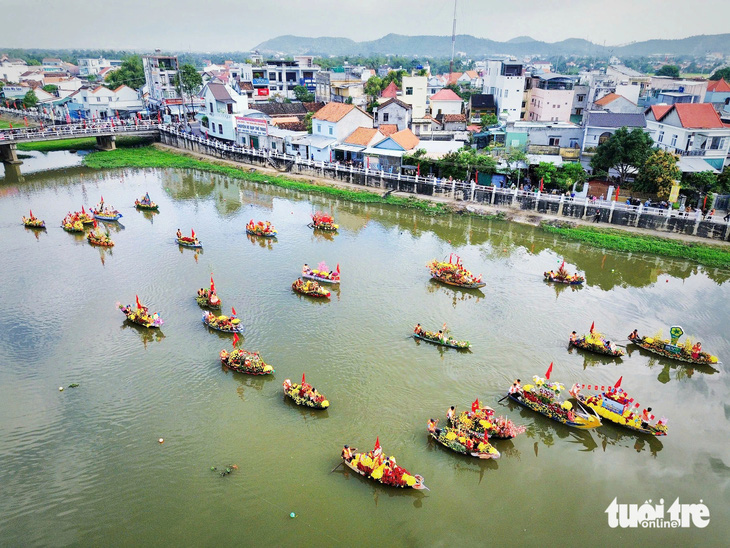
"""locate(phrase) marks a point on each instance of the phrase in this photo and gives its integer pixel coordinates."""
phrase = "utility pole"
(453, 42)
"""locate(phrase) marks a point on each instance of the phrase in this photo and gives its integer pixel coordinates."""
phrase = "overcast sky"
(239, 25)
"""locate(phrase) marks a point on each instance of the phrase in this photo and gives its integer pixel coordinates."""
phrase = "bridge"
(105, 133)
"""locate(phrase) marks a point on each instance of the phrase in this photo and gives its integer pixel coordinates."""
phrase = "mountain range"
(440, 46)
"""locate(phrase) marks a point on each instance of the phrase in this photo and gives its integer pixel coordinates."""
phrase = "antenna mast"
(453, 41)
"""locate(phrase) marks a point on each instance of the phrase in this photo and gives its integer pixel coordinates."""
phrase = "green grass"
(4, 124)
(84, 143)
(705, 254)
(151, 157)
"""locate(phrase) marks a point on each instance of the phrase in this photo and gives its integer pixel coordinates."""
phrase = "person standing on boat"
(347, 453)
(178, 234)
(432, 427)
(450, 413)
(305, 269)
(696, 349)
(515, 389)
(573, 337)
(418, 329)
(645, 417)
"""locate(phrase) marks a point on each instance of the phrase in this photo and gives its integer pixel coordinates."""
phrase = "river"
(84, 466)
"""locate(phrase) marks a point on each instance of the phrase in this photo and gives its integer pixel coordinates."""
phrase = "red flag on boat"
(95, 224)
(233, 310)
(193, 237)
(31, 213)
(212, 284)
(550, 370)
(136, 298)
(82, 209)
(377, 449)
(618, 382)
(475, 405)
(303, 381)
(541, 184)
(593, 325)
(562, 265)
(102, 199)
(235, 340)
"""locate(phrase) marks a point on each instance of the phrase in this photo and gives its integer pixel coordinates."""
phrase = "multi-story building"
(664, 89)
(445, 102)
(52, 65)
(284, 76)
(159, 73)
(718, 93)
(222, 106)
(551, 99)
(93, 66)
(415, 90)
(505, 80)
(624, 76)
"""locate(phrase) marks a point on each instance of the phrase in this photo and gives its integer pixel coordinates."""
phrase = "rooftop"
(445, 95)
(615, 119)
(406, 139)
(334, 112)
(362, 136)
(718, 86)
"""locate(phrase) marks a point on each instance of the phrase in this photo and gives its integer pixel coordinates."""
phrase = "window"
(220, 129)
(581, 98)
(330, 130)
(230, 108)
(674, 140)
(578, 111)
(506, 92)
(409, 91)
(661, 136)
(385, 117)
(554, 141)
(211, 108)
(319, 128)
(98, 99)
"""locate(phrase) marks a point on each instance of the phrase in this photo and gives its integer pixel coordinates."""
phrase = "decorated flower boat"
(146, 203)
(209, 300)
(543, 398)
(464, 443)
(562, 276)
(322, 273)
(323, 221)
(309, 288)
(375, 466)
(140, 314)
(262, 228)
(454, 273)
(70, 224)
(99, 238)
(222, 323)
(304, 394)
(189, 241)
(444, 340)
(686, 352)
(246, 362)
(481, 419)
(105, 213)
(84, 217)
(33, 222)
(614, 405)
(595, 342)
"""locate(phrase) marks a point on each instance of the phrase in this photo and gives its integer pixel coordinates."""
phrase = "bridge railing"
(76, 130)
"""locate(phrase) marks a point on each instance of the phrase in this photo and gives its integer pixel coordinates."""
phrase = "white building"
(445, 102)
(11, 70)
(222, 105)
(93, 66)
(505, 80)
(159, 73)
(101, 102)
(415, 89)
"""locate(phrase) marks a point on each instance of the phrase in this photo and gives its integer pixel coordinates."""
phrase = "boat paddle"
(503, 398)
(341, 463)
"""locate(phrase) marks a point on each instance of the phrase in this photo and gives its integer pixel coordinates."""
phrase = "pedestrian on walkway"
(597, 216)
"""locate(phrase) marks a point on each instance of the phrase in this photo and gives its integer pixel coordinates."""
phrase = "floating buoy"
(161, 440)
(60, 388)
(292, 515)
(667, 281)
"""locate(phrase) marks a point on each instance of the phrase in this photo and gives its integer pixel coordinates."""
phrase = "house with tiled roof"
(718, 93)
(691, 130)
(390, 91)
(599, 125)
(470, 78)
(221, 106)
(394, 111)
(387, 129)
(454, 122)
(613, 102)
(386, 155)
(331, 124)
(445, 102)
(351, 150)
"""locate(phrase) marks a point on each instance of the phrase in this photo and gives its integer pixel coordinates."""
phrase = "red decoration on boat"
(618, 382)
(550, 370)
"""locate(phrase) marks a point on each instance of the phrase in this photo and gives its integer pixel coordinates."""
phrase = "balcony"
(543, 149)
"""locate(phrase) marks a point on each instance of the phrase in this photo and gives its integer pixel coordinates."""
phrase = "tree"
(658, 173)
(393, 76)
(624, 151)
(50, 88)
(569, 174)
(303, 94)
(308, 120)
(719, 74)
(130, 73)
(373, 87)
(668, 70)
(488, 120)
(30, 100)
(700, 183)
(188, 81)
(546, 171)
(723, 181)
(513, 159)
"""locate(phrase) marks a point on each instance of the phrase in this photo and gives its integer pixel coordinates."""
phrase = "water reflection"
(458, 294)
(265, 243)
(36, 231)
(592, 359)
(306, 412)
(113, 226)
(103, 253)
(682, 370)
(255, 382)
(148, 214)
(545, 430)
(610, 434)
(323, 235)
(147, 335)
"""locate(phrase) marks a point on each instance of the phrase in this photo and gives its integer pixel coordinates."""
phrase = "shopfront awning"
(535, 159)
(384, 152)
(344, 147)
(693, 164)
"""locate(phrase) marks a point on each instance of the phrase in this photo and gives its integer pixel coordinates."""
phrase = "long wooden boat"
(294, 390)
(109, 215)
(187, 242)
(140, 317)
(222, 323)
(584, 344)
(271, 234)
(475, 285)
(312, 276)
(451, 438)
(317, 292)
(33, 222)
(617, 409)
(448, 342)
(543, 398)
(563, 280)
(102, 242)
(152, 206)
(249, 363)
(666, 349)
(483, 420)
(454, 273)
(203, 301)
(361, 463)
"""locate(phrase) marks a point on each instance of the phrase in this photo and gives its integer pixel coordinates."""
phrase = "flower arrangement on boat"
(209, 297)
(245, 362)
(614, 404)
(385, 470)
(305, 394)
(466, 443)
(33, 221)
(261, 228)
(140, 314)
(454, 273)
(562, 276)
(310, 288)
(73, 222)
(323, 221)
(104, 212)
(99, 237)
(84, 217)
(188, 241)
(686, 352)
(322, 273)
(222, 323)
(481, 419)
(441, 337)
(145, 203)
(594, 341)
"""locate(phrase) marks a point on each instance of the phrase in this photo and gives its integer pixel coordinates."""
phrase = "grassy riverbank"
(151, 157)
(621, 240)
(84, 143)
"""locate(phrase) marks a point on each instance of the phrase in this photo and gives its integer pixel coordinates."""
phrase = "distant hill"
(440, 46)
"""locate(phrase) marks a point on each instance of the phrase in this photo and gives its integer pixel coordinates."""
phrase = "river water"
(84, 466)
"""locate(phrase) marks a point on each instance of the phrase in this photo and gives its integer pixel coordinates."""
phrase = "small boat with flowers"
(562, 276)
(593, 341)
(310, 289)
(103, 212)
(72, 223)
(242, 361)
(99, 238)
(323, 221)
(188, 241)
(141, 315)
(322, 273)
(441, 338)
(463, 442)
(481, 419)
(304, 394)
(146, 204)
(262, 228)
(454, 273)
(614, 405)
(84, 217)
(33, 221)
(543, 398)
(375, 466)
(222, 323)
(686, 352)
(209, 298)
